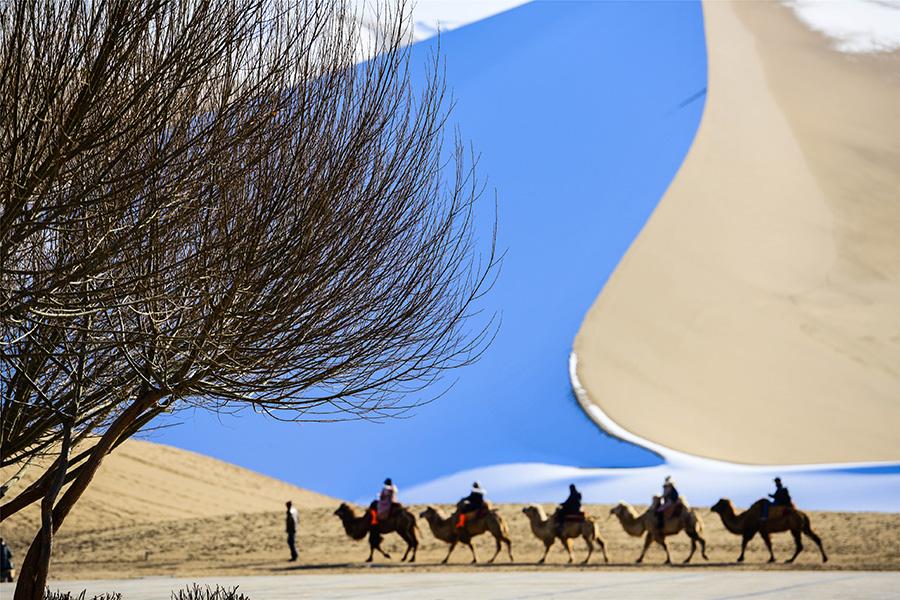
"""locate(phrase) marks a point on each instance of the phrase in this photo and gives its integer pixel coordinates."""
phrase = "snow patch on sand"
(871, 486)
(856, 26)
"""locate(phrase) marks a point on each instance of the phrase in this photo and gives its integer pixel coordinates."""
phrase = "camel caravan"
(668, 514)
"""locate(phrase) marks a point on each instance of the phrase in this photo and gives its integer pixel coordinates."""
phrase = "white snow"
(852, 486)
(856, 26)
(428, 17)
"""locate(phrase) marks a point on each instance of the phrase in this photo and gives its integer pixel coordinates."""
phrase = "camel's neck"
(442, 528)
(631, 523)
(539, 524)
(354, 526)
(732, 522)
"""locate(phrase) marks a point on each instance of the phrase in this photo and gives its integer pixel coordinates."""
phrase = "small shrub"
(195, 592)
(57, 595)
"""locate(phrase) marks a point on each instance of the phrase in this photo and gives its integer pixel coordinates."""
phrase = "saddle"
(376, 518)
(673, 511)
(776, 511)
(466, 516)
(575, 517)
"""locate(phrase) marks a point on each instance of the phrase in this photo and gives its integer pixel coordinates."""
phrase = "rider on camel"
(781, 497)
(381, 509)
(471, 503)
(670, 498)
(571, 506)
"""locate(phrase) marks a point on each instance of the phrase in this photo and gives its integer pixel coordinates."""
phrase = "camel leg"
(744, 539)
(449, 552)
(662, 542)
(647, 541)
(567, 542)
(546, 550)
(372, 550)
(602, 544)
(767, 539)
(693, 548)
(412, 544)
(508, 543)
(590, 545)
(798, 544)
(472, 548)
(809, 532)
(499, 547)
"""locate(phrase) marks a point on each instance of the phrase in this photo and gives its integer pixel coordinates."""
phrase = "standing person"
(291, 521)
(781, 497)
(7, 572)
(571, 506)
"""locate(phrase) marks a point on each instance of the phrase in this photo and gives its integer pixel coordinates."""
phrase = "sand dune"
(143, 482)
(755, 319)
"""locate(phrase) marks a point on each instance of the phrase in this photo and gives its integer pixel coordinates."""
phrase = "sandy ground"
(160, 511)
(755, 318)
(253, 544)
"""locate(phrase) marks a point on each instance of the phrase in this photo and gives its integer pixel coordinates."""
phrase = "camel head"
(533, 511)
(722, 506)
(620, 510)
(344, 510)
(428, 514)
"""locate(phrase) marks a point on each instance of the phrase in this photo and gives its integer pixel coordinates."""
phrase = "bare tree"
(208, 202)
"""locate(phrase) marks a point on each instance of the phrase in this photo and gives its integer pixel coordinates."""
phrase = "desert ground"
(154, 510)
(253, 544)
(756, 313)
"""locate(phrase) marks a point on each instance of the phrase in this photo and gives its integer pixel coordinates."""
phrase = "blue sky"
(582, 113)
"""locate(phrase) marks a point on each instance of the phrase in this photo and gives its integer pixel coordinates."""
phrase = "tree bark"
(33, 573)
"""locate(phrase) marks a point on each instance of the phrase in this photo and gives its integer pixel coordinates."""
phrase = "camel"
(400, 521)
(749, 523)
(444, 529)
(636, 525)
(544, 529)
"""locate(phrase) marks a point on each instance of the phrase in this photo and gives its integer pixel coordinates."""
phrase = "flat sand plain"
(253, 544)
(755, 318)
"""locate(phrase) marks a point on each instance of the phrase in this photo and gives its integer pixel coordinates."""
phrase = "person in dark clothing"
(6, 563)
(473, 502)
(670, 497)
(781, 497)
(475, 499)
(291, 520)
(571, 506)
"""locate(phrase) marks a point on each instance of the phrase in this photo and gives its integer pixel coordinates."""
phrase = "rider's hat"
(388, 481)
(778, 480)
(669, 481)
(476, 487)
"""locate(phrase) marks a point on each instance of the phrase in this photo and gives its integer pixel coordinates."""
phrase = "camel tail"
(504, 528)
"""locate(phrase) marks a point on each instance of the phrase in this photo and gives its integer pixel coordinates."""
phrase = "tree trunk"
(33, 573)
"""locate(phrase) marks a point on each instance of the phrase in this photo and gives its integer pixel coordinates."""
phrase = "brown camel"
(400, 521)
(444, 529)
(749, 523)
(636, 525)
(544, 529)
